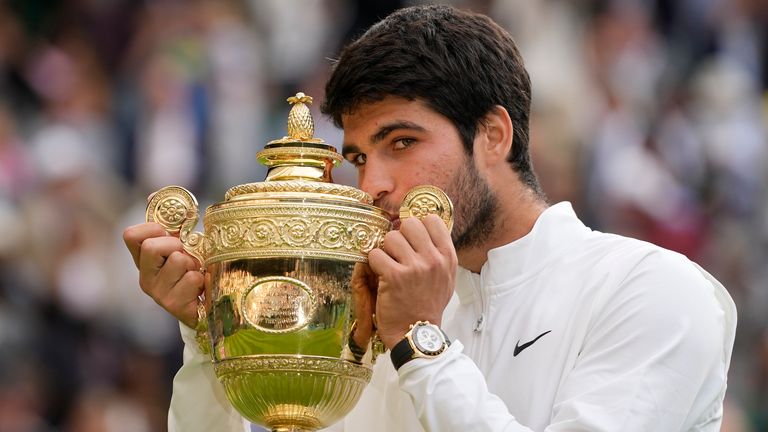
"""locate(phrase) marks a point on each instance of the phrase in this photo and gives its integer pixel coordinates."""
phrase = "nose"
(375, 179)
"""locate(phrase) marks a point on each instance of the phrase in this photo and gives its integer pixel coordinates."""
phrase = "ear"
(496, 133)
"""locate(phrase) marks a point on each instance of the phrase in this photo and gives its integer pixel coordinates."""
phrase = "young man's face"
(397, 144)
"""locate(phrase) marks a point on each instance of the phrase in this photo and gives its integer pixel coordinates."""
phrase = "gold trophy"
(281, 258)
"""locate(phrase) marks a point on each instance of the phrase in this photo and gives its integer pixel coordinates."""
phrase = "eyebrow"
(349, 148)
(382, 133)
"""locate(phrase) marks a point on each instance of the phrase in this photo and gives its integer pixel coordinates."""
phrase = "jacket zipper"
(480, 321)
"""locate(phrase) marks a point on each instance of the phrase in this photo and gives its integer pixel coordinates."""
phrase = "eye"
(357, 159)
(403, 143)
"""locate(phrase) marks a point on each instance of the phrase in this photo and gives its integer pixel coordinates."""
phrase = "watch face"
(428, 339)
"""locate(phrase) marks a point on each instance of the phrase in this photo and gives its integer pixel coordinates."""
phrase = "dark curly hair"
(461, 64)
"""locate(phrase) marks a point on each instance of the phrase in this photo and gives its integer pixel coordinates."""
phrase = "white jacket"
(626, 336)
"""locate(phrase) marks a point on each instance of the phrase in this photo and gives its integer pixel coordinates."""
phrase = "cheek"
(436, 164)
(416, 174)
(441, 171)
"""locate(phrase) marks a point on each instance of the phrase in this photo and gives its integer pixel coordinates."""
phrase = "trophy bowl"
(281, 259)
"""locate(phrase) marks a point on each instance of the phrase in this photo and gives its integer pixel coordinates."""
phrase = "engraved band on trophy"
(281, 257)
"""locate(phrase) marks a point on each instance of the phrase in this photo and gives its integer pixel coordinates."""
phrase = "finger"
(373, 281)
(135, 235)
(361, 305)
(360, 274)
(416, 234)
(175, 268)
(363, 278)
(381, 263)
(182, 300)
(439, 234)
(396, 246)
(155, 251)
(189, 288)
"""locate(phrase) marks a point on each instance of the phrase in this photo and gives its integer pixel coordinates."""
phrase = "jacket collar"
(556, 230)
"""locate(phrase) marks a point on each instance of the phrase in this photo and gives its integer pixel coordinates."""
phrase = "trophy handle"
(176, 210)
(427, 199)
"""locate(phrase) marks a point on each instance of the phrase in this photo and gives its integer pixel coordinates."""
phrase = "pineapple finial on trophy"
(300, 124)
(299, 155)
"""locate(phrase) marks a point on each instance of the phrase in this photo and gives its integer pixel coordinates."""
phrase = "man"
(553, 326)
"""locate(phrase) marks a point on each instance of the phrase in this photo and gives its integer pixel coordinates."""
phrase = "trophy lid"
(299, 162)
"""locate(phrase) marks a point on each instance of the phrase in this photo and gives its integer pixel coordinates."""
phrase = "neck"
(515, 218)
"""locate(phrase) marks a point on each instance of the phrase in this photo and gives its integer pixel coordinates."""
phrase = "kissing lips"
(392, 212)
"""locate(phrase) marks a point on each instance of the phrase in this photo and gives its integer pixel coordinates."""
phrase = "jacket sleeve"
(449, 393)
(656, 355)
(198, 402)
(655, 358)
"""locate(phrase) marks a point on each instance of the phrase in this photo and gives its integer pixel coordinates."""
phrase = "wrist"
(392, 339)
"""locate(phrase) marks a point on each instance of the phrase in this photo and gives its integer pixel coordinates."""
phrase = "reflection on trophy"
(281, 260)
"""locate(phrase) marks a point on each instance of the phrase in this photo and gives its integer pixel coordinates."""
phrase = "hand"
(166, 272)
(416, 268)
(364, 285)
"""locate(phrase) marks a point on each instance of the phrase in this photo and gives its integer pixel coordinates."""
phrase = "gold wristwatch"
(423, 340)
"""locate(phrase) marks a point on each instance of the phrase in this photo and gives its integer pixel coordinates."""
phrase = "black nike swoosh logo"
(519, 348)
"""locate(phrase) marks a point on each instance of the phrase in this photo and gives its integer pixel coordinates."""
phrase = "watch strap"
(401, 353)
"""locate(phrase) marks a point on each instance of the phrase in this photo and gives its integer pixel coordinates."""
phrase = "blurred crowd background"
(650, 116)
